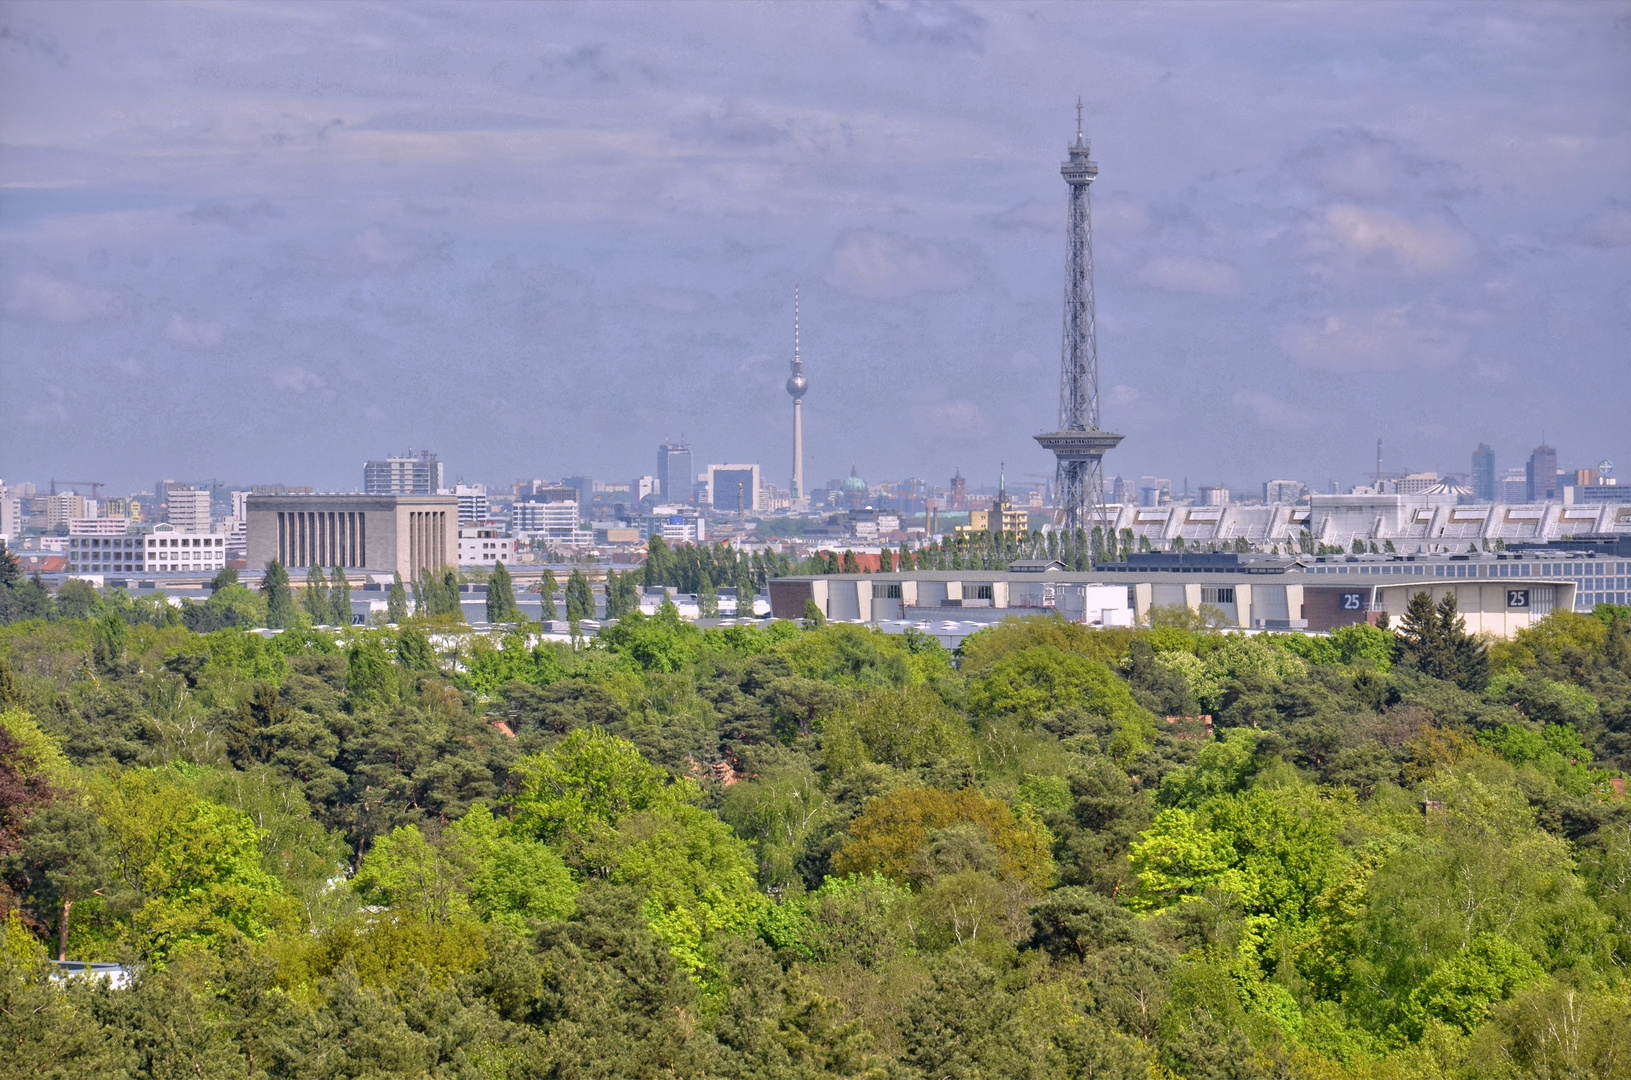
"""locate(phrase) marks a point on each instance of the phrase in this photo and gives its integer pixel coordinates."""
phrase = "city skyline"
(296, 274)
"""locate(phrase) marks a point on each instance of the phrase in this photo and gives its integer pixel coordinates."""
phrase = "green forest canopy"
(777, 851)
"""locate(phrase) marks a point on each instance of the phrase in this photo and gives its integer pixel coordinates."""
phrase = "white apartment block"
(484, 547)
(98, 526)
(163, 549)
(472, 503)
(556, 522)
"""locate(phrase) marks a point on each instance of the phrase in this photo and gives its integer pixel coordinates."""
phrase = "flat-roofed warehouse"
(1497, 592)
(409, 534)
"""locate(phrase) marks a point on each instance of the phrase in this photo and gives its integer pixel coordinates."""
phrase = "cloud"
(1271, 412)
(672, 302)
(43, 296)
(887, 266)
(298, 380)
(918, 22)
(1360, 164)
(1189, 273)
(395, 248)
(1037, 215)
(205, 335)
(957, 414)
(1386, 340)
(1609, 227)
(1421, 246)
(248, 215)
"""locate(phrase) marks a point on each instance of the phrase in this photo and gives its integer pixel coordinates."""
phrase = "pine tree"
(501, 596)
(339, 597)
(281, 611)
(547, 588)
(396, 602)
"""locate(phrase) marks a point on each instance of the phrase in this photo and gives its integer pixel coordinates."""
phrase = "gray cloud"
(922, 22)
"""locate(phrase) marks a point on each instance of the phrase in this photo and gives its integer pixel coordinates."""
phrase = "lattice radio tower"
(1079, 445)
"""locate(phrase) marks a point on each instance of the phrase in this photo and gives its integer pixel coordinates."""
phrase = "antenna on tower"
(1078, 120)
(795, 323)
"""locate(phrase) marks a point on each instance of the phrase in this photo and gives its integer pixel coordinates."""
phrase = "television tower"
(1079, 445)
(796, 385)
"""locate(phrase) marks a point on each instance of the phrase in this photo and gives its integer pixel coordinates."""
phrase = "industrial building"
(1497, 592)
(408, 534)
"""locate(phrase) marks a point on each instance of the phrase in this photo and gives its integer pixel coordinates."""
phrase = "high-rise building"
(1483, 473)
(733, 488)
(674, 475)
(1079, 446)
(1283, 491)
(797, 384)
(407, 475)
(188, 508)
(586, 488)
(1512, 487)
(1541, 476)
(472, 503)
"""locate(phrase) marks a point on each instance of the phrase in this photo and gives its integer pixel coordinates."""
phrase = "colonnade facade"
(322, 538)
(427, 541)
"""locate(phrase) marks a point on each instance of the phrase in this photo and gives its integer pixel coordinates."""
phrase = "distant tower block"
(1079, 445)
(797, 384)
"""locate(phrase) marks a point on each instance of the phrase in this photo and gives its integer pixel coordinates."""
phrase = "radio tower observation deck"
(797, 384)
(1079, 445)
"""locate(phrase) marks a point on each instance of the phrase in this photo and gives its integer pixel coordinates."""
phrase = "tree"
(501, 596)
(814, 617)
(339, 598)
(547, 588)
(580, 597)
(63, 860)
(591, 777)
(893, 829)
(660, 567)
(281, 611)
(315, 597)
(707, 598)
(1434, 640)
(396, 602)
(622, 596)
(227, 576)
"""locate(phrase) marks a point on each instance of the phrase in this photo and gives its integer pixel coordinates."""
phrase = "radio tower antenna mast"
(1079, 445)
(797, 384)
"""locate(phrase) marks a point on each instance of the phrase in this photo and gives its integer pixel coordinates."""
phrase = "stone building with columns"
(408, 534)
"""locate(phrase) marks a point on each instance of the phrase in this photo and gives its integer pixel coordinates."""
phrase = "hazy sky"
(266, 241)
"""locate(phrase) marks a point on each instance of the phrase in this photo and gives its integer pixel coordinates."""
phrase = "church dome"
(852, 484)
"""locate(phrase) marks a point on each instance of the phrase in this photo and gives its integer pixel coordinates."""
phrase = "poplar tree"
(547, 588)
(280, 603)
(450, 594)
(315, 598)
(580, 597)
(396, 601)
(500, 596)
(707, 598)
(339, 597)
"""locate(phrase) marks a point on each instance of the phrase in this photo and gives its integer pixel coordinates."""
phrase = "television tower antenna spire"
(797, 384)
(1078, 444)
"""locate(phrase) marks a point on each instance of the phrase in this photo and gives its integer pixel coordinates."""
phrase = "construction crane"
(92, 484)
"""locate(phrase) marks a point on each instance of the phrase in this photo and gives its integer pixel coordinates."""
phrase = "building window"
(886, 590)
(981, 592)
(1222, 594)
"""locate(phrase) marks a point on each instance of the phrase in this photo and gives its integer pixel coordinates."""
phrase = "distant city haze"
(265, 243)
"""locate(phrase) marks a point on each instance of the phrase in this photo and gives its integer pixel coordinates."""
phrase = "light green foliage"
(661, 642)
(980, 652)
(1554, 749)
(1461, 989)
(501, 596)
(592, 777)
(697, 879)
(193, 865)
(45, 757)
(405, 872)
(776, 812)
(1042, 681)
(851, 655)
(487, 669)
(369, 676)
(903, 728)
(1235, 657)
(1356, 644)
(511, 877)
(1223, 767)
(580, 597)
(396, 601)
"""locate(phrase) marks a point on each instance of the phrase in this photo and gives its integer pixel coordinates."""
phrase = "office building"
(1284, 491)
(1212, 496)
(187, 508)
(643, 486)
(676, 524)
(733, 488)
(1540, 477)
(1512, 487)
(407, 475)
(159, 549)
(551, 514)
(54, 510)
(1483, 474)
(674, 473)
(472, 503)
(409, 534)
(484, 547)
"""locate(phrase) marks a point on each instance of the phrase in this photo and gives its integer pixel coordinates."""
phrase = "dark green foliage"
(501, 596)
(1434, 640)
(396, 601)
(580, 597)
(280, 601)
